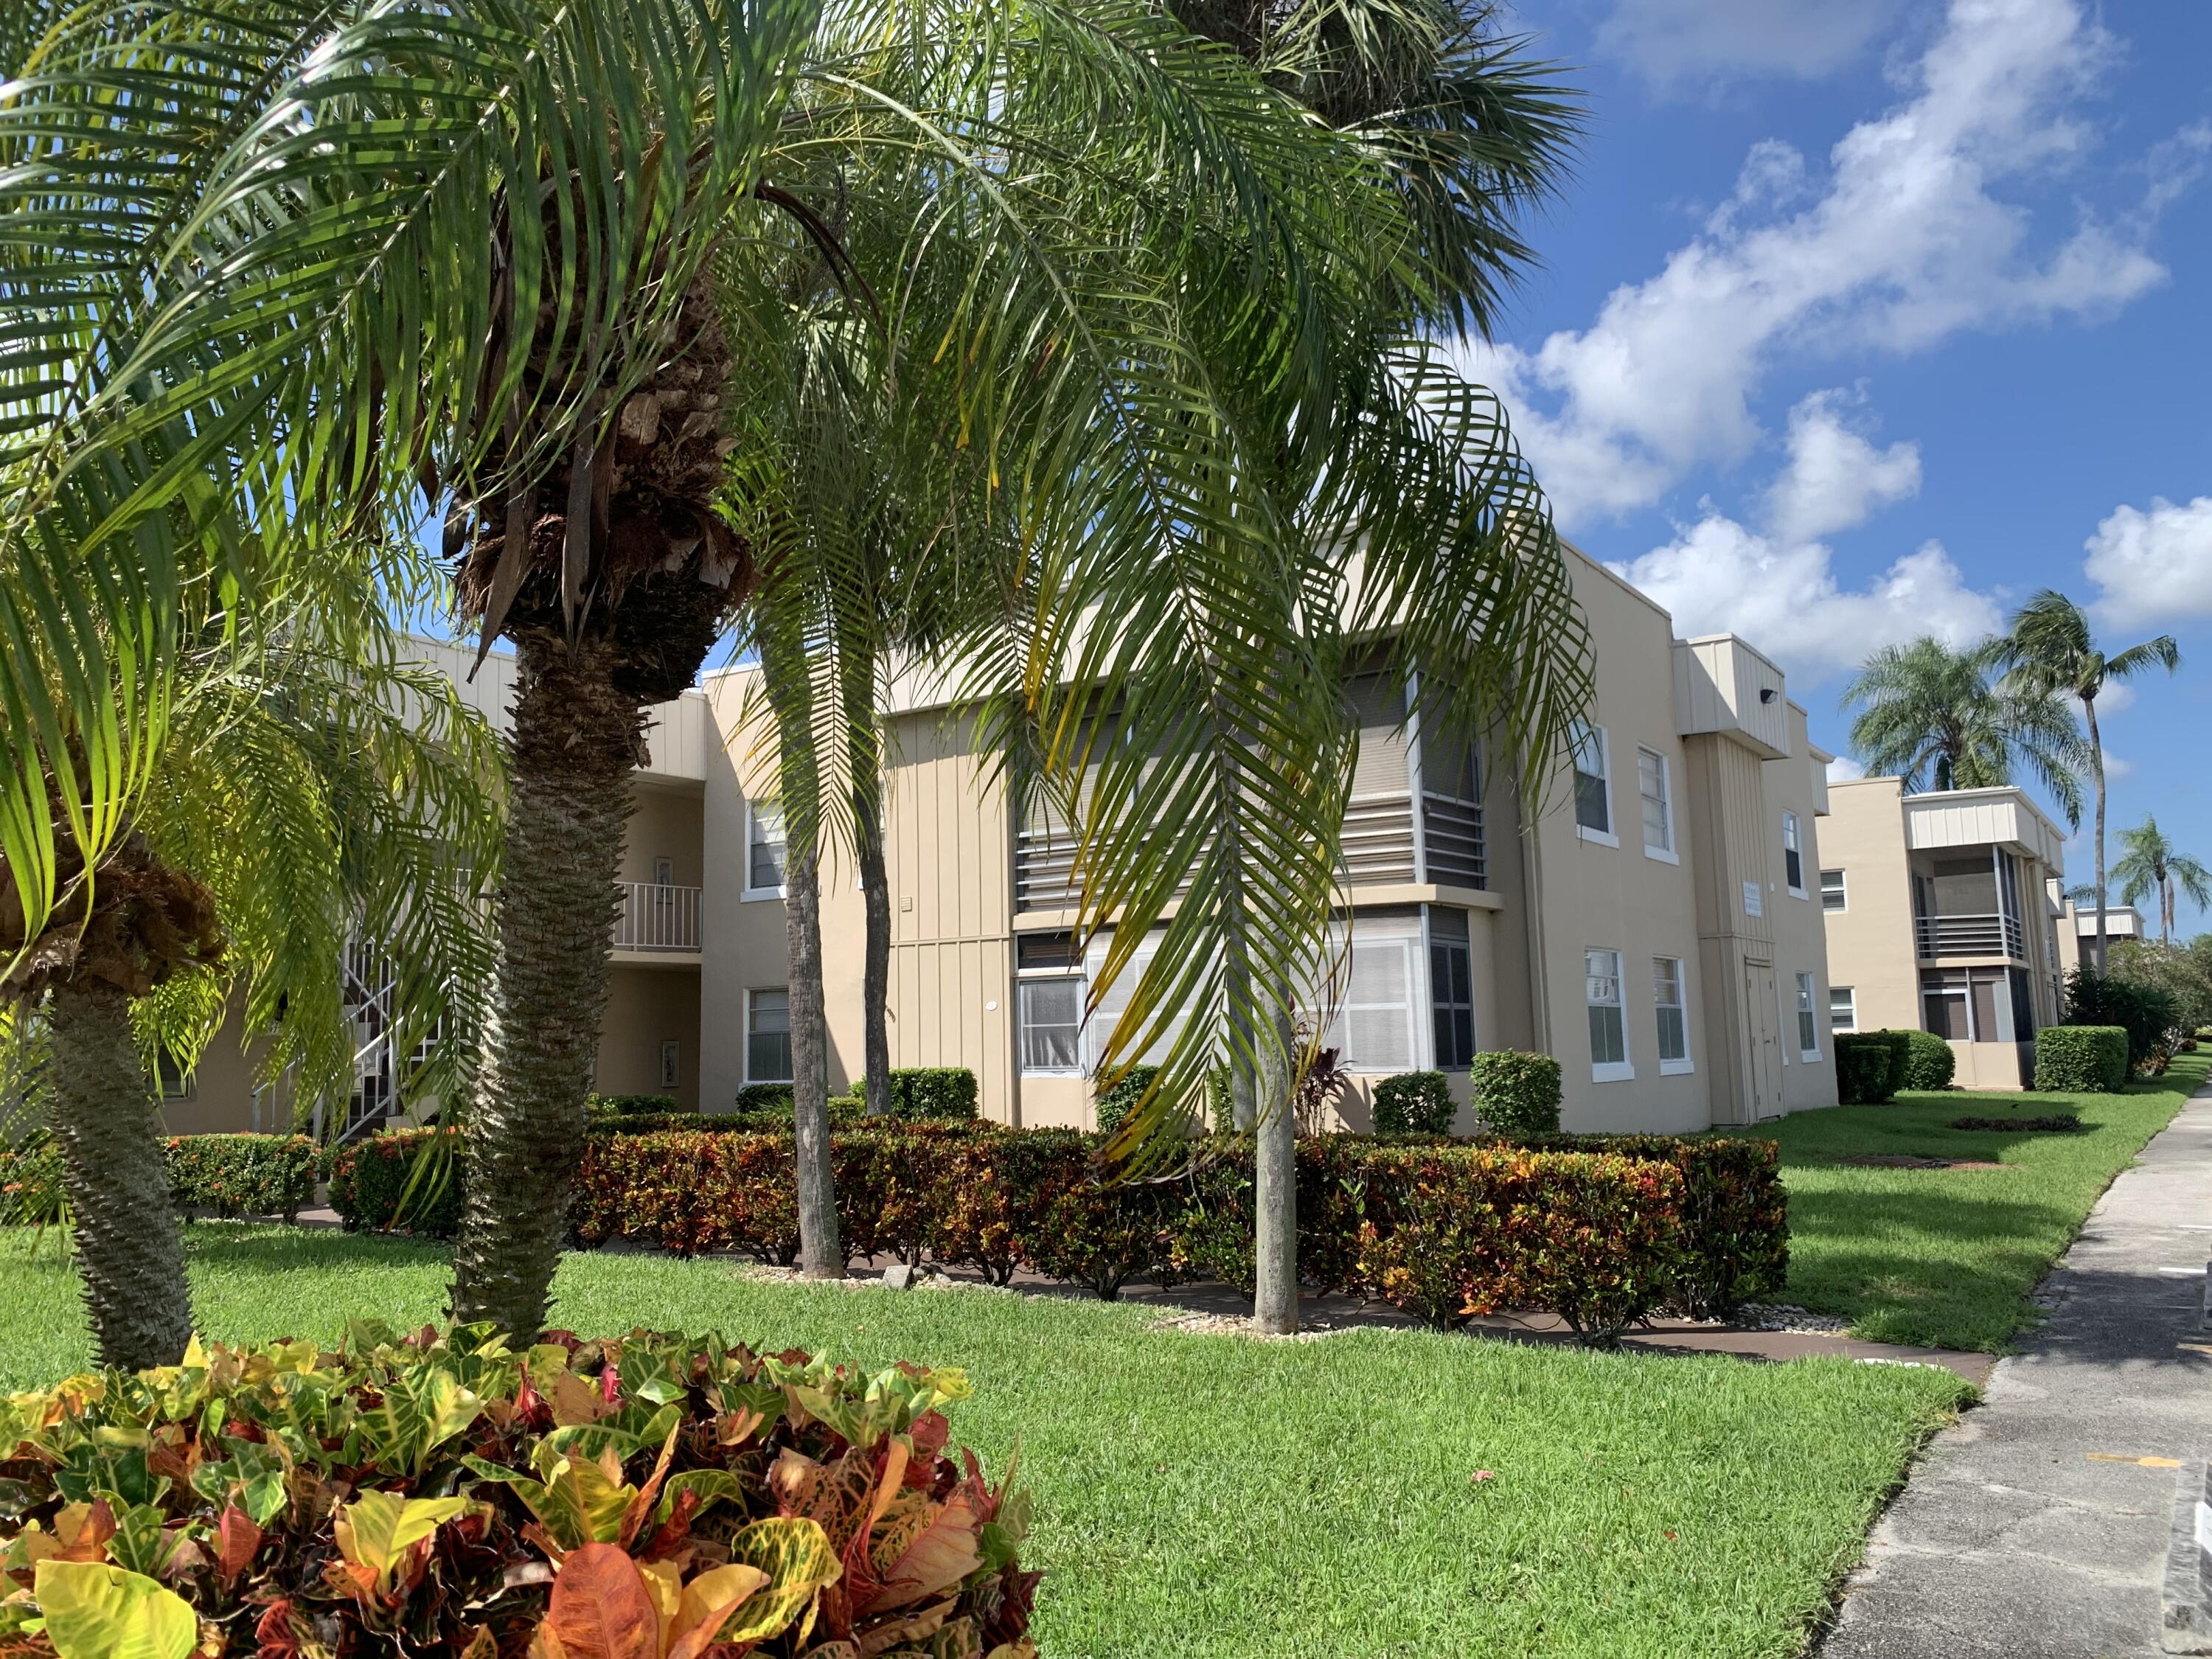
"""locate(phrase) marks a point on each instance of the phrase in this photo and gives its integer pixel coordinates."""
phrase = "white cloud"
(1716, 575)
(1904, 244)
(2154, 567)
(2115, 767)
(1835, 476)
(1670, 41)
(1844, 768)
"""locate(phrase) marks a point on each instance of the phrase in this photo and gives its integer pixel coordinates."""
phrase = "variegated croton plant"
(652, 1497)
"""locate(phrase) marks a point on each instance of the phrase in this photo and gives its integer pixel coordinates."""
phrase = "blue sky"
(1866, 320)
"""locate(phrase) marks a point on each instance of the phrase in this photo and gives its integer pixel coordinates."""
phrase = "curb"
(2185, 1604)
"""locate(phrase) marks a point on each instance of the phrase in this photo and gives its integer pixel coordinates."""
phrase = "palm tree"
(2149, 863)
(2050, 650)
(309, 788)
(863, 545)
(1929, 714)
(454, 255)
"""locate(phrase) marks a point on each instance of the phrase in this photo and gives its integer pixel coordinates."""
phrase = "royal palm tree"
(2149, 864)
(2050, 650)
(310, 789)
(1929, 714)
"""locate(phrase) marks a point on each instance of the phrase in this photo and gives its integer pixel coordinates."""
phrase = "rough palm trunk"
(115, 1167)
(876, 967)
(820, 1255)
(2096, 761)
(575, 739)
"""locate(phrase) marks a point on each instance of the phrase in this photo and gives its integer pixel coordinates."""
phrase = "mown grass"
(1945, 1258)
(1215, 1496)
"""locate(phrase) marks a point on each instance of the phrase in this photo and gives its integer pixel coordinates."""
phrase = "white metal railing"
(1986, 935)
(657, 917)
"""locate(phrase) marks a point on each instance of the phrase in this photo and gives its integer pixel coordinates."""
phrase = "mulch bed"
(2058, 1123)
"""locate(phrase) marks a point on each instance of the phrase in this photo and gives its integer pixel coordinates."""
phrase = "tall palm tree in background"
(312, 789)
(387, 254)
(1929, 714)
(2050, 650)
(2149, 864)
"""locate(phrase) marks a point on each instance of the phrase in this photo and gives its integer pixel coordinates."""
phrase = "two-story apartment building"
(1944, 913)
(1653, 927)
(1655, 924)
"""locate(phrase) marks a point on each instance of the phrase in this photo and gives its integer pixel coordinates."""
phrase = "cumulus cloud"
(2153, 567)
(1844, 768)
(1835, 476)
(1718, 576)
(1670, 42)
(1903, 242)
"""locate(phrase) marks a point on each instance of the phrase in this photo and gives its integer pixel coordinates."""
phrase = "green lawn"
(1213, 1495)
(1945, 1258)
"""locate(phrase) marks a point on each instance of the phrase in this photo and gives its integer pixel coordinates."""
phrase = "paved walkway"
(2036, 1527)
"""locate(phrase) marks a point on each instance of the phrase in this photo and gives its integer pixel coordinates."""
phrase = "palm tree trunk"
(115, 1168)
(2097, 766)
(1275, 1199)
(820, 1255)
(875, 966)
(575, 739)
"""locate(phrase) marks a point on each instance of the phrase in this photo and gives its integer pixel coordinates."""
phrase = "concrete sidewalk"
(2036, 1527)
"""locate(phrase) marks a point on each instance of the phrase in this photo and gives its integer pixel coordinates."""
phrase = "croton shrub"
(651, 1497)
(1621, 1226)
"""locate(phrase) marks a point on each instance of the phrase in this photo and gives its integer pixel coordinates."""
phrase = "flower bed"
(650, 1496)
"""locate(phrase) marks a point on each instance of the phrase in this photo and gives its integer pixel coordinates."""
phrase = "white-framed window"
(1656, 787)
(1842, 1008)
(1608, 1024)
(672, 1063)
(1673, 1016)
(1451, 989)
(1793, 856)
(1809, 1026)
(1832, 894)
(1593, 785)
(768, 1035)
(763, 849)
(1049, 1003)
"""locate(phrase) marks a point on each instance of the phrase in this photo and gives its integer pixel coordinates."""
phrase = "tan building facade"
(1653, 920)
(1944, 913)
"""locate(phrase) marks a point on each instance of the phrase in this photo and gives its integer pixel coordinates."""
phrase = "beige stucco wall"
(1871, 940)
(1577, 893)
(1809, 1079)
(646, 1007)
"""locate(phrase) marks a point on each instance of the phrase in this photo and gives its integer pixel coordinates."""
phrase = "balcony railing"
(1451, 836)
(656, 918)
(1989, 935)
(1378, 850)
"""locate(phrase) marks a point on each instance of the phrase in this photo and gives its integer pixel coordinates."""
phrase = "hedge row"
(1600, 1230)
(228, 1175)
(2081, 1059)
(373, 1178)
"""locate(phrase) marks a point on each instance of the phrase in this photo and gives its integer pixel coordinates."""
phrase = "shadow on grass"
(269, 1246)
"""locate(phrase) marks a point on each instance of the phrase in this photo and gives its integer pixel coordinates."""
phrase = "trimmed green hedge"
(932, 1094)
(1414, 1103)
(1900, 1060)
(1516, 1093)
(243, 1175)
(1931, 1062)
(765, 1098)
(1863, 1063)
(371, 1179)
(1602, 1229)
(2081, 1059)
(597, 1108)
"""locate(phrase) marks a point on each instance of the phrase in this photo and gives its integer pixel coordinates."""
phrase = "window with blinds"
(764, 848)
